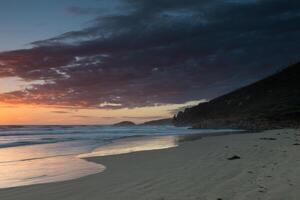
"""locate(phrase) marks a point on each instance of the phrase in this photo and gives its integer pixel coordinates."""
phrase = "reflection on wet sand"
(36, 164)
(133, 145)
(46, 170)
(27, 165)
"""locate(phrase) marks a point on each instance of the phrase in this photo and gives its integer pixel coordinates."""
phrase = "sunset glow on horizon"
(14, 112)
(11, 114)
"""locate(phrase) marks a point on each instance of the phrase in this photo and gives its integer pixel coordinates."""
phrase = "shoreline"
(63, 167)
(131, 144)
(196, 169)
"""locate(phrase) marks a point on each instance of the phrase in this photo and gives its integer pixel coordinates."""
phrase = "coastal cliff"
(273, 102)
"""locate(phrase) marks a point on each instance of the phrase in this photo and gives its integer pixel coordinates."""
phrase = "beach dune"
(230, 167)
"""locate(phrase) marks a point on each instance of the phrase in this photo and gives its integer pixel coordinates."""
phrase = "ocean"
(41, 154)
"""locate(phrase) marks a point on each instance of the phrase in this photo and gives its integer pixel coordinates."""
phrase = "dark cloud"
(76, 10)
(158, 51)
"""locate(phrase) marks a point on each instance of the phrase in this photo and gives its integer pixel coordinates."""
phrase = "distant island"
(158, 122)
(273, 102)
(125, 123)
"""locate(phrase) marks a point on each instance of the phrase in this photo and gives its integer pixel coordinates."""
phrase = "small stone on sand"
(234, 157)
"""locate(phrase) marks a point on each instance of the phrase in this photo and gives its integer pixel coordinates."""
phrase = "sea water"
(41, 154)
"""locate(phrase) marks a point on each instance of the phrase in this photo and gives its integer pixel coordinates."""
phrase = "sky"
(103, 61)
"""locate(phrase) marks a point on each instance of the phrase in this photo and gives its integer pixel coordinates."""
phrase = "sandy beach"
(248, 166)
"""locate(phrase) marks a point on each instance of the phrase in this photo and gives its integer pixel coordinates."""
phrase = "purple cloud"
(157, 52)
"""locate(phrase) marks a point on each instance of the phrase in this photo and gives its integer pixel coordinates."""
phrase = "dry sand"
(268, 168)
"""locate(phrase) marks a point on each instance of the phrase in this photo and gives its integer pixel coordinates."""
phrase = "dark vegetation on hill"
(273, 102)
(159, 122)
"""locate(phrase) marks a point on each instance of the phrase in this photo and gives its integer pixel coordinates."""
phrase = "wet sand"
(250, 166)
